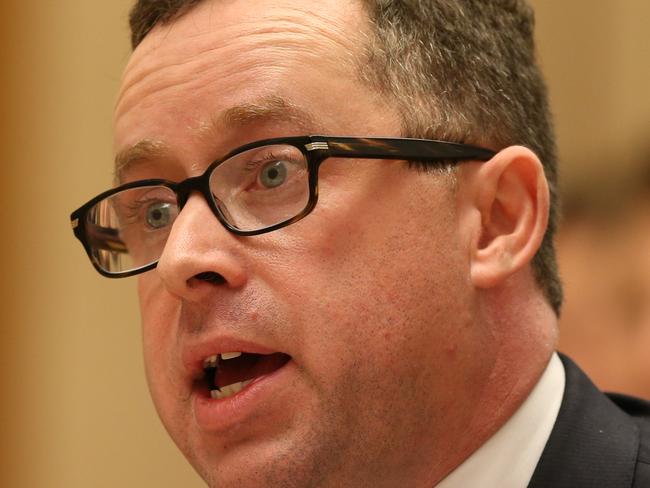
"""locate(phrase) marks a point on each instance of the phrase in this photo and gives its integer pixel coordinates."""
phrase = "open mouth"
(228, 373)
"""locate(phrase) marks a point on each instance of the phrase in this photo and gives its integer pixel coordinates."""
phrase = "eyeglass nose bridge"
(201, 184)
(185, 188)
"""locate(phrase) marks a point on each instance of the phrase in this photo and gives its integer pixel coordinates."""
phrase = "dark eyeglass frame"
(316, 150)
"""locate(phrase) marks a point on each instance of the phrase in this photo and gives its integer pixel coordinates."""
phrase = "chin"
(256, 464)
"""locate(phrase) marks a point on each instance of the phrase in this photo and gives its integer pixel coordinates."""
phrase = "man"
(346, 310)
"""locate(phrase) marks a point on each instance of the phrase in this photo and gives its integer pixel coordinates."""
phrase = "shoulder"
(639, 412)
(597, 440)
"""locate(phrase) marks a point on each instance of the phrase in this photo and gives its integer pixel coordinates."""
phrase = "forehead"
(229, 43)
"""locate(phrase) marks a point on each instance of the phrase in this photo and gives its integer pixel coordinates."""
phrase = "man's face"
(367, 298)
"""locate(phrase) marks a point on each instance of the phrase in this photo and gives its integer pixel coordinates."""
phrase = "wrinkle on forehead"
(220, 43)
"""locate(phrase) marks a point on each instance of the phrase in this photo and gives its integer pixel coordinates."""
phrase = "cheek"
(159, 311)
(160, 314)
(379, 287)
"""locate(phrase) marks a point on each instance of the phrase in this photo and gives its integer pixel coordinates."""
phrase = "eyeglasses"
(257, 188)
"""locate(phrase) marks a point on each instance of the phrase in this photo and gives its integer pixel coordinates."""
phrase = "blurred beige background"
(75, 411)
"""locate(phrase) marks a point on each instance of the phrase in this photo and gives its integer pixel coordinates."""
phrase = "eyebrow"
(145, 149)
(271, 108)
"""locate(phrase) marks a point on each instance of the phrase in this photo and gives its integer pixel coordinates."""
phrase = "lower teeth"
(229, 390)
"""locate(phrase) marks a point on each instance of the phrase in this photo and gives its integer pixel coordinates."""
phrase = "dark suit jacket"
(598, 441)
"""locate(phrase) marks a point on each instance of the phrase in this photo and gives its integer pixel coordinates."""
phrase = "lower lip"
(218, 415)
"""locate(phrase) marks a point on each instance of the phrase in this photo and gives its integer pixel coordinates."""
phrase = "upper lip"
(194, 355)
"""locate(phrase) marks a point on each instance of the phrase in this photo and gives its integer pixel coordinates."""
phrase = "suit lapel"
(593, 442)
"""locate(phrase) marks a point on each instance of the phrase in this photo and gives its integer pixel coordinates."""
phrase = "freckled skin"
(369, 294)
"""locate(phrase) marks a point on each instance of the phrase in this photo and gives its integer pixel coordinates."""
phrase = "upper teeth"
(212, 361)
(230, 355)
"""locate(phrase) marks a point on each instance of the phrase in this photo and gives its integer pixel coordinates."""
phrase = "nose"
(200, 254)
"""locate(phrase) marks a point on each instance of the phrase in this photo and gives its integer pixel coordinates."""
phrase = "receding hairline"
(140, 29)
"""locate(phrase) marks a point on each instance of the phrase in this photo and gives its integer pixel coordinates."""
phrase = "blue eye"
(159, 215)
(273, 174)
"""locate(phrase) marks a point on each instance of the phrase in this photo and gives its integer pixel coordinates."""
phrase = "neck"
(523, 333)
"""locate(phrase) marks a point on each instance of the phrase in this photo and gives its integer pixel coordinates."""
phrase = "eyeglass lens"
(253, 190)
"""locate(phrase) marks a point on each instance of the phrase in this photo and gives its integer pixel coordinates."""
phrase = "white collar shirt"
(508, 459)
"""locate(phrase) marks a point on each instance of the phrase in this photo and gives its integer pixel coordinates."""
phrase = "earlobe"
(510, 194)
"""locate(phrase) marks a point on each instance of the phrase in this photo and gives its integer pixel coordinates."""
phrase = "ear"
(509, 198)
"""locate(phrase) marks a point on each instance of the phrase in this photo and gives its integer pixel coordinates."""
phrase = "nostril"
(211, 277)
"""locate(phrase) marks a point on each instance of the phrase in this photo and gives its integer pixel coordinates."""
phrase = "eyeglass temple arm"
(407, 149)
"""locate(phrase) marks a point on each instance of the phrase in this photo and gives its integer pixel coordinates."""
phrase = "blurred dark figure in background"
(604, 251)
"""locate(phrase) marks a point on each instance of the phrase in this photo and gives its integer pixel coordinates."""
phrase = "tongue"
(247, 367)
